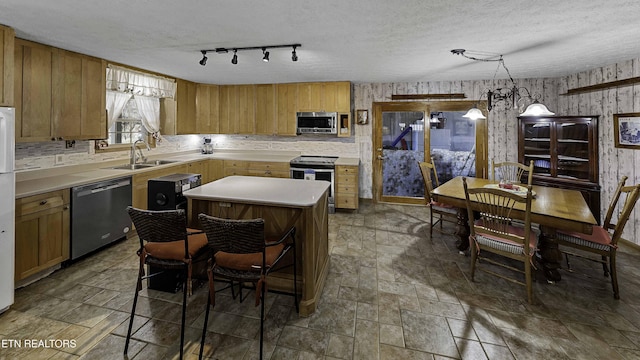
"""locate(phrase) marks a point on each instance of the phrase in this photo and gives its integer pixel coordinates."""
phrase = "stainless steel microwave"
(316, 123)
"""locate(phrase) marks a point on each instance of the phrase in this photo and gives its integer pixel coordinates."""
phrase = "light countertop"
(261, 190)
(33, 182)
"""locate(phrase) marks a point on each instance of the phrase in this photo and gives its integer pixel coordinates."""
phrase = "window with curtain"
(128, 126)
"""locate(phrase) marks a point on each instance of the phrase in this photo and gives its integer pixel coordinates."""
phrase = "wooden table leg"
(550, 255)
(462, 230)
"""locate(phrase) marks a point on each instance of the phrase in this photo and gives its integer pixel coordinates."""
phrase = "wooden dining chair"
(494, 232)
(241, 254)
(601, 241)
(166, 244)
(443, 212)
(512, 171)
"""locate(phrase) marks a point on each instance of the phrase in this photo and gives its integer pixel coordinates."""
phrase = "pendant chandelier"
(511, 96)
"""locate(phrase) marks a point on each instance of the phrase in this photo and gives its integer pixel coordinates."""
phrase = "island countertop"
(261, 190)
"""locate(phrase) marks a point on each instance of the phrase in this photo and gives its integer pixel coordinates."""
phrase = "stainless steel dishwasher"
(99, 214)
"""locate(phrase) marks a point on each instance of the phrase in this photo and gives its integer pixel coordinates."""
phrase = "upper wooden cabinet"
(33, 91)
(7, 36)
(237, 109)
(265, 123)
(324, 96)
(207, 109)
(286, 107)
(59, 95)
(79, 97)
(186, 107)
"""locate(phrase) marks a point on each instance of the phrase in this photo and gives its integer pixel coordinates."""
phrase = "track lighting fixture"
(203, 62)
(512, 96)
(265, 52)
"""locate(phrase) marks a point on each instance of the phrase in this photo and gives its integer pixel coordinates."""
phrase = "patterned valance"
(139, 83)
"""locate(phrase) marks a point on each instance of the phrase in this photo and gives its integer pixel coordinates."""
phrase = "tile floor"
(392, 293)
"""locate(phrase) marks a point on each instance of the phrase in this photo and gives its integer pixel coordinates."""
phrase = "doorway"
(406, 133)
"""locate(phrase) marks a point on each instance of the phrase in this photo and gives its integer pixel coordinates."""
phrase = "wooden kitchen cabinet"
(337, 96)
(346, 187)
(168, 116)
(33, 91)
(207, 109)
(140, 180)
(564, 150)
(42, 232)
(79, 97)
(310, 97)
(7, 56)
(265, 119)
(256, 168)
(216, 169)
(200, 167)
(186, 122)
(237, 109)
(59, 95)
(286, 108)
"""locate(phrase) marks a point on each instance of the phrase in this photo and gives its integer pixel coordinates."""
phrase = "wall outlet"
(59, 159)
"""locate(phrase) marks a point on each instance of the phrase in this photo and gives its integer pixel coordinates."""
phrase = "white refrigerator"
(7, 209)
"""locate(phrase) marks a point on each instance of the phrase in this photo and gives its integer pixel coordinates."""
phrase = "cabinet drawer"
(236, 164)
(346, 201)
(265, 165)
(40, 202)
(235, 171)
(269, 173)
(346, 170)
(342, 179)
(346, 188)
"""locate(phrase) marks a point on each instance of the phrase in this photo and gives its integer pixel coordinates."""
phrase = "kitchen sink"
(144, 165)
(132, 166)
(158, 162)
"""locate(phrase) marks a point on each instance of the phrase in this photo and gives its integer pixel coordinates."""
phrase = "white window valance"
(138, 83)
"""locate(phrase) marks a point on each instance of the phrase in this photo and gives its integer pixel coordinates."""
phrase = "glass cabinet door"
(537, 146)
(573, 149)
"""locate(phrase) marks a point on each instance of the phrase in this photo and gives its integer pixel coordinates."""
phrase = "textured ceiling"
(360, 41)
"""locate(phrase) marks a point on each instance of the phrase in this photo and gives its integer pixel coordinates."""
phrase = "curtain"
(149, 110)
(115, 103)
(138, 83)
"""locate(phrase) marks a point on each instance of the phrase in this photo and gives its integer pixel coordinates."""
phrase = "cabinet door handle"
(66, 207)
(43, 202)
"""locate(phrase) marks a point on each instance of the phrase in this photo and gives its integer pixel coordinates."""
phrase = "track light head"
(234, 60)
(203, 62)
(265, 58)
(294, 56)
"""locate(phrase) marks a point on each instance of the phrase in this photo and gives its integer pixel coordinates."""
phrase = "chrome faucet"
(133, 159)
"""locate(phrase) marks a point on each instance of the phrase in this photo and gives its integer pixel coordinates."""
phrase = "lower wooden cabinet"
(346, 196)
(256, 168)
(140, 180)
(42, 232)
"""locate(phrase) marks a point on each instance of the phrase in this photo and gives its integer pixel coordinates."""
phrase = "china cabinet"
(564, 150)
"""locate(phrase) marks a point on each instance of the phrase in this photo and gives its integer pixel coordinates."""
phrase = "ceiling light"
(537, 109)
(265, 52)
(203, 62)
(474, 114)
(511, 96)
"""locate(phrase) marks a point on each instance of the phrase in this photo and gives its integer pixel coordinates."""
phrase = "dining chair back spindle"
(512, 171)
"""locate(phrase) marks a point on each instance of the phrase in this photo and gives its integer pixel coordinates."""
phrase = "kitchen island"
(282, 203)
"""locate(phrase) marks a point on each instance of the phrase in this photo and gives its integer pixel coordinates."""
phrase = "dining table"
(551, 208)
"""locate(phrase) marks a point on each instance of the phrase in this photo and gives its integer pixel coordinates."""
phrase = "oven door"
(316, 174)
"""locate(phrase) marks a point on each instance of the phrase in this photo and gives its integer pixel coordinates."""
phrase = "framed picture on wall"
(362, 117)
(627, 130)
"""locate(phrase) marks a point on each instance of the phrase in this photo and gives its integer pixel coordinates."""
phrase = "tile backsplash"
(42, 155)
